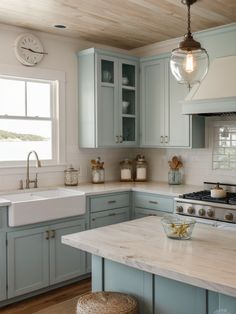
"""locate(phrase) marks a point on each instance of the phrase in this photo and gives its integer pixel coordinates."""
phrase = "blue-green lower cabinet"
(142, 212)
(3, 271)
(28, 261)
(221, 304)
(109, 217)
(65, 262)
(147, 204)
(156, 294)
(174, 297)
(37, 259)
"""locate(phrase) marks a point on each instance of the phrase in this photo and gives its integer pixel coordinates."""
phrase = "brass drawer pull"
(121, 139)
(111, 202)
(166, 139)
(161, 139)
(153, 202)
(117, 139)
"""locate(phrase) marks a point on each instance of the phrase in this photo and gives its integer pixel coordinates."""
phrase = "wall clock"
(29, 49)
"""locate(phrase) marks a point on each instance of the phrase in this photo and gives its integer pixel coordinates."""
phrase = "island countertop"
(206, 261)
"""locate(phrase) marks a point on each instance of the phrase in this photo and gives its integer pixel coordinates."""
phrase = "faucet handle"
(36, 181)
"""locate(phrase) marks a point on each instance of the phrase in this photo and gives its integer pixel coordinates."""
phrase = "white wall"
(61, 56)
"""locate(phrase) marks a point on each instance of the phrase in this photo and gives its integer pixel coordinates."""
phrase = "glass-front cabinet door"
(108, 98)
(128, 102)
(116, 101)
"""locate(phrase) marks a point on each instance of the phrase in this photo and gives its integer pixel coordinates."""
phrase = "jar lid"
(71, 169)
(126, 162)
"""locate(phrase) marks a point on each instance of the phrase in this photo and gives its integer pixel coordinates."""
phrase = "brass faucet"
(38, 164)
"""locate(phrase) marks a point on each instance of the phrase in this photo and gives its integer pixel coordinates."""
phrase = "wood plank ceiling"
(120, 23)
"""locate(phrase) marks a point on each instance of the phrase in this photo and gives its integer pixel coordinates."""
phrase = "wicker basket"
(107, 303)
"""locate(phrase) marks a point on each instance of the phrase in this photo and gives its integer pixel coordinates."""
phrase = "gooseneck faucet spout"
(38, 164)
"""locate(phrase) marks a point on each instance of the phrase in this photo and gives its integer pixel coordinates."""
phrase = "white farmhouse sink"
(38, 206)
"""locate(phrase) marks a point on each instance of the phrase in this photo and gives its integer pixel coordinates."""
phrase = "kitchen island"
(167, 276)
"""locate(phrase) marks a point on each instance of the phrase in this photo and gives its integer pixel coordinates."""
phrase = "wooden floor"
(42, 301)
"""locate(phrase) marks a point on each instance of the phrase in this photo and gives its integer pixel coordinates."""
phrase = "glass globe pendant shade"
(189, 66)
(189, 62)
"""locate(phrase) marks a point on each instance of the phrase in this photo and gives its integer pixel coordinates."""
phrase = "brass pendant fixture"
(189, 62)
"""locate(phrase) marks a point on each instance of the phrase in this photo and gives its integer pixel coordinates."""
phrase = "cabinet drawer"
(101, 203)
(142, 212)
(109, 217)
(155, 202)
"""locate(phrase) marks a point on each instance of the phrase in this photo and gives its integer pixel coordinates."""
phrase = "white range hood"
(216, 94)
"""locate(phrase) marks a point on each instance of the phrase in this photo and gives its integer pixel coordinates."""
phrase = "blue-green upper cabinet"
(108, 99)
(162, 123)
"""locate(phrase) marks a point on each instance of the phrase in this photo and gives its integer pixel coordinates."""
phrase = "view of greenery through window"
(25, 118)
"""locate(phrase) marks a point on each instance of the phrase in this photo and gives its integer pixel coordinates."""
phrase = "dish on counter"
(176, 227)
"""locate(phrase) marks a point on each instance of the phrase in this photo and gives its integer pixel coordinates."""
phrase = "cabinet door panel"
(28, 260)
(109, 217)
(107, 116)
(152, 103)
(220, 303)
(65, 262)
(179, 124)
(3, 266)
(174, 297)
(107, 101)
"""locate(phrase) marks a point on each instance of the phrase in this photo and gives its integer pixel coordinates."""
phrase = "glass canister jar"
(126, 167)
(174, 177)
(71, 176)
(140, 169)
(98, 171)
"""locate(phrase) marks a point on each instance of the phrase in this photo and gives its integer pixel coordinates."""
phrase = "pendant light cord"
(189, 20)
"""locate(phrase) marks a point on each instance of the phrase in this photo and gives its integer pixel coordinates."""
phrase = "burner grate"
(205, 195)
(196, 195)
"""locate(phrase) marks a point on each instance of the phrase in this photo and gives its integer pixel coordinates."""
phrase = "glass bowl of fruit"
(177, 227)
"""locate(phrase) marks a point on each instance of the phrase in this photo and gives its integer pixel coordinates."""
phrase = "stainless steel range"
(220, 212)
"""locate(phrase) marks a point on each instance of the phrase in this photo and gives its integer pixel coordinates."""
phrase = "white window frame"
(57, 110)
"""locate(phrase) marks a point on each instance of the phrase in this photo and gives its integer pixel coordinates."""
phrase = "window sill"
(21, 169)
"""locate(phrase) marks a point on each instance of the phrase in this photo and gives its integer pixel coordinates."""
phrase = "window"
(31, 117)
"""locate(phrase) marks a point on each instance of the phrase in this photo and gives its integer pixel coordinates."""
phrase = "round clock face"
(28, 49)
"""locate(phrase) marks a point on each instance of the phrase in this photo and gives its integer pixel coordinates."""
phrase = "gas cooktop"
(205, 195)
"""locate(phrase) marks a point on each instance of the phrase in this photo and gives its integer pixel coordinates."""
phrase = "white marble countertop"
(4, 202)
(90, 189)
(206, 261)
(162, 188)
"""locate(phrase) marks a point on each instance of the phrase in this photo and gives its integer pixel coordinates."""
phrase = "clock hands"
(34, 51)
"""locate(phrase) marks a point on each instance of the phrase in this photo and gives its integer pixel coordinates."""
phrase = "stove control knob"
(179, 209)
(229, 216)
(210, 213)
(191, 210)
(201, 212)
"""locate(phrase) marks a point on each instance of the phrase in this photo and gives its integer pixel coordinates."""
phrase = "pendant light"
(189, 62)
